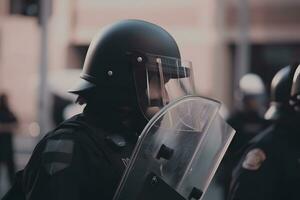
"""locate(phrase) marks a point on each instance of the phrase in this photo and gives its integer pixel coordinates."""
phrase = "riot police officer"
(270, 167)
(123, 85)
(248, 120)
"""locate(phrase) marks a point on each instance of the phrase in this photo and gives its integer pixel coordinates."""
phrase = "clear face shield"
(160, 80)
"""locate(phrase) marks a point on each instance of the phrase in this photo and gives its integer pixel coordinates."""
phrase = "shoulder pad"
(57, 154)
(63, 130)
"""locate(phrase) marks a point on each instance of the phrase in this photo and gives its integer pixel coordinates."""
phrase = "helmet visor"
(160, 80)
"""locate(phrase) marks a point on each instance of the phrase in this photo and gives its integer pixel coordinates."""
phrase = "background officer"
(123, 85)
(248, 120)
(8, 124)
(270, 167)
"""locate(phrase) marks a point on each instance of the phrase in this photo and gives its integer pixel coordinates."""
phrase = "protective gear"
(178, 152)
(295, 92)
(79, 160)
(129, 60)
(126, 70)
(280, 93)
(160, 80)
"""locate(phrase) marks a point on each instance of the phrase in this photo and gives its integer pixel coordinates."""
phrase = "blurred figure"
(270, 168)
(248, 120)
(8, 124)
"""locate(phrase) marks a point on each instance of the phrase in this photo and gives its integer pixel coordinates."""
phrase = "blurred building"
(274, 34)
(207, 32)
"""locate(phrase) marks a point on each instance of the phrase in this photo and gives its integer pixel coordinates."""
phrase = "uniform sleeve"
(49, 174)
(256, 177)
(68, 167)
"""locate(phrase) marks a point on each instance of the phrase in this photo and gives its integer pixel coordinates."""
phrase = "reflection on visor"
(181, 146)
(160, 80)
(155, 102)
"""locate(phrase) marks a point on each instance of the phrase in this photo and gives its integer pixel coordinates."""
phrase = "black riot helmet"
(134, 62)
(295, 91)
(280, 94)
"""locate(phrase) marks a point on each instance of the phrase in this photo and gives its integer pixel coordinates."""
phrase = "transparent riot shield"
(177, 153)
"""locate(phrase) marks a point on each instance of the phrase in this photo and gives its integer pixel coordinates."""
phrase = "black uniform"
(83, 158)
(270, 168)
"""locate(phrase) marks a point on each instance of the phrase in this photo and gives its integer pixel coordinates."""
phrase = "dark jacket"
(76, 161)
(270, 168)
